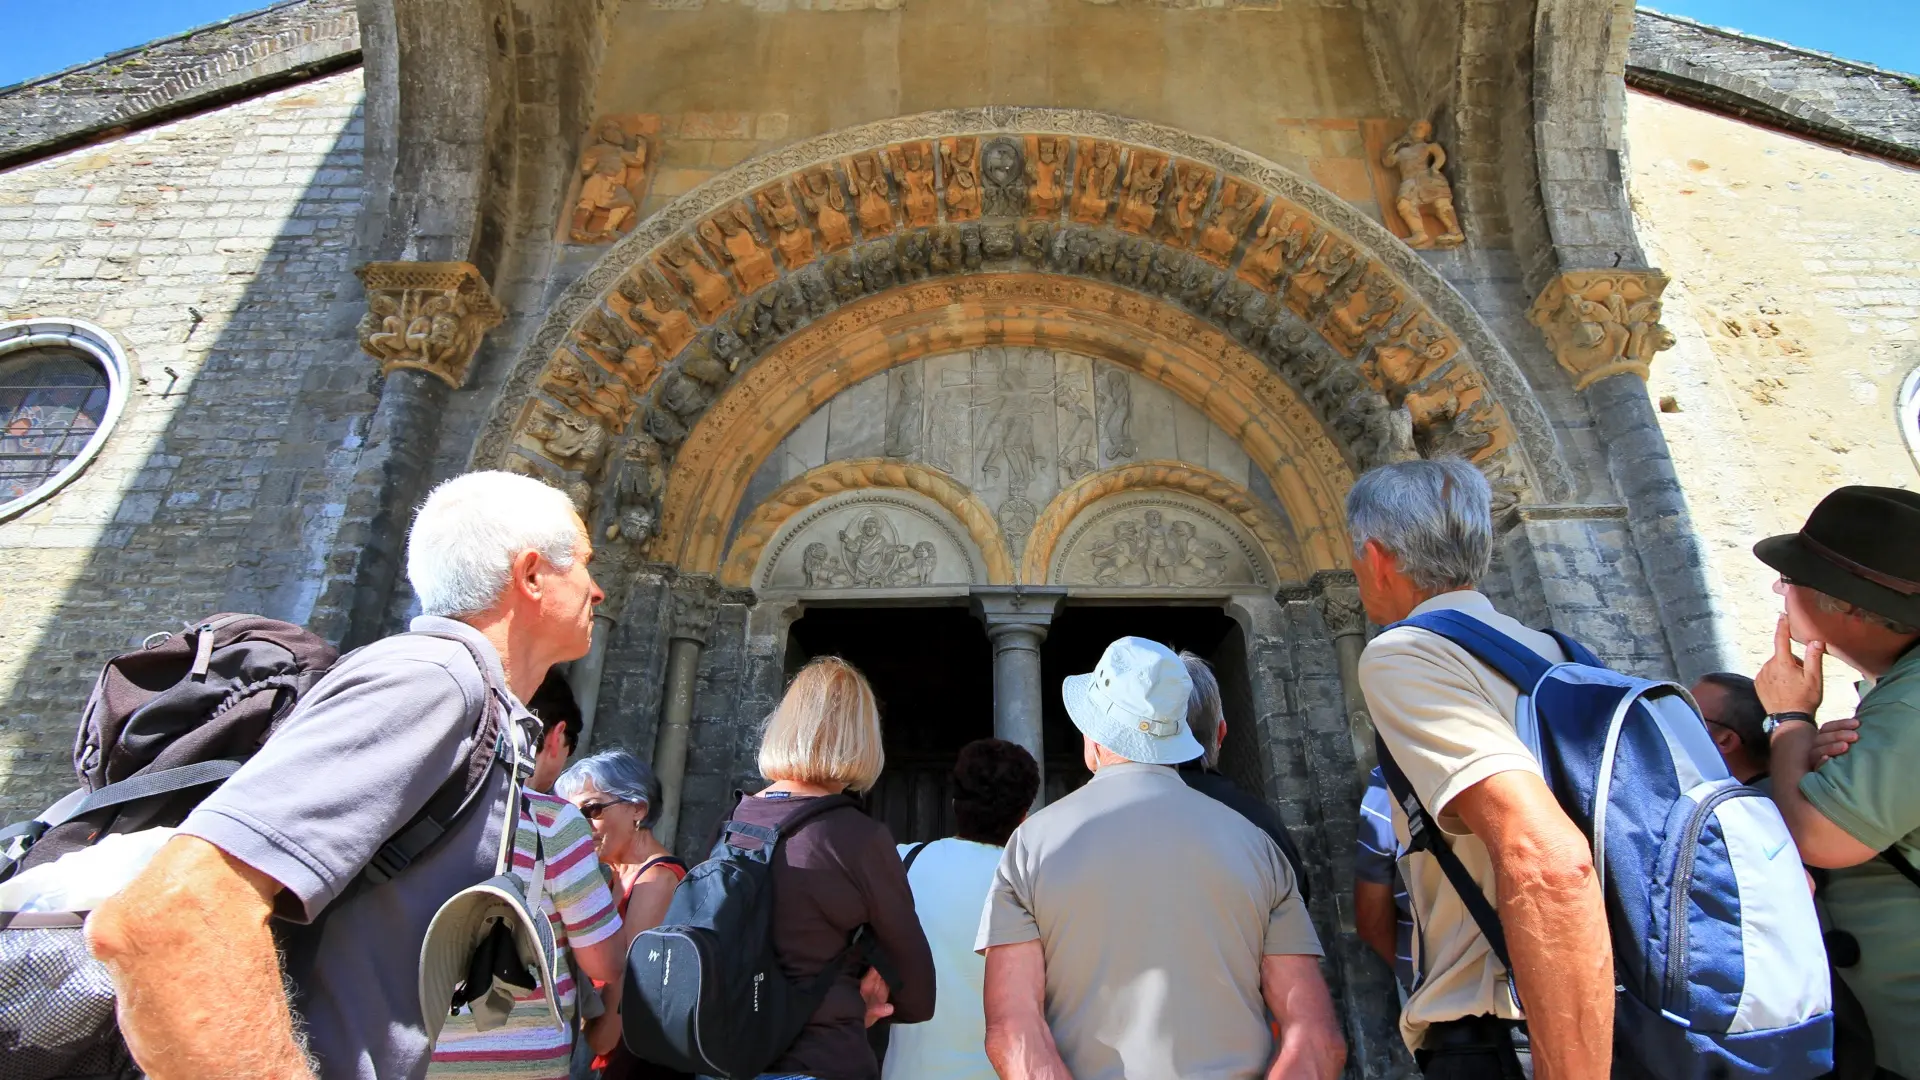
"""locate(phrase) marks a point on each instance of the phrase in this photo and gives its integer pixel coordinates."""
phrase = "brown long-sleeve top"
(834, 874)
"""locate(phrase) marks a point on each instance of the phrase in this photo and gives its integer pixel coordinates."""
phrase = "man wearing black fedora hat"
(1851, 581)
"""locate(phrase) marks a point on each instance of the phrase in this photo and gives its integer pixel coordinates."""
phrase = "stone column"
(1604, 327)
(450, 300)
(691, 618)
(583, 675)
(1338, 600)
(1017, 618)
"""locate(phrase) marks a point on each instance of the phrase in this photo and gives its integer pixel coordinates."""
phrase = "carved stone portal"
(1603, 322)
(1156, 540)
(429, 316)
(873, 539)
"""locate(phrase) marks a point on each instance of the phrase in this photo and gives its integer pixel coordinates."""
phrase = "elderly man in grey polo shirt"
(266, 863)
(1139, 930)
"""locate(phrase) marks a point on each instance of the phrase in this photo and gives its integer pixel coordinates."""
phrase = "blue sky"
(38, 37)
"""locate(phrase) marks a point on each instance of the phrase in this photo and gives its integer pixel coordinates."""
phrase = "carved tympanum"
(1419, 159)
(427, 316)
(1603, 322)
(613, 170)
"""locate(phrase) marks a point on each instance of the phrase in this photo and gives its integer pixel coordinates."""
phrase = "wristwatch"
(1774, 720)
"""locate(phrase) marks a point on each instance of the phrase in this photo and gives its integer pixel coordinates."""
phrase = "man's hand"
(1555, 921)
(1785, 682)
(196, 919)
(1836, 737)
(873, 991)
(1375, 919)
(1310, 1044)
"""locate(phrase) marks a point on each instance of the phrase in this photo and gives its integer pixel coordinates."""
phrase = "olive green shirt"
(1870, 792)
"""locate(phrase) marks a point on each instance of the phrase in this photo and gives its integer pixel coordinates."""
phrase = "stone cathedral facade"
(953, 336)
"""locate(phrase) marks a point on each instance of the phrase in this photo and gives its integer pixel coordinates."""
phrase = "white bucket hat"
(1134, 703)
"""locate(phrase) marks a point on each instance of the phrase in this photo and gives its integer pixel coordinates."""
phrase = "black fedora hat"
(1861, 545)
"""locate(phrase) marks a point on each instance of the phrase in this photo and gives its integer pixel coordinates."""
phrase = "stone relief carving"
(657, 312)
(613, 171)
(1079, 447)
(870, 539)
(1341, 610)
(906, 420)
(1094, 179)
(1154, 542)
(824, 198)
(1003, 175)
(912, 167)
(1016, 516)
(729, 238)
(1419, 159)
(790, 235)
(1281, 248)
(426, 316)
(1140, 203)
(1007, 441)
(1116, 413)
(1046, 159)
(960, 164)
(692, 601)
(1221, 234)
(871, 194)
(1603, 322)
(589, 389)
(637, 494)
(707, 290)
(615, 344)
(1192, 183)
(567, 439)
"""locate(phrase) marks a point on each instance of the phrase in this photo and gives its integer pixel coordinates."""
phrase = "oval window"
(62, 385)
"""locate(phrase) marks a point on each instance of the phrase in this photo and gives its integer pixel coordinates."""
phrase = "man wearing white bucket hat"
(1139, 930)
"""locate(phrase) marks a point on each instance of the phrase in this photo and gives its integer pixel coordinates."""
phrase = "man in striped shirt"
(553, 840)
(1380, 913)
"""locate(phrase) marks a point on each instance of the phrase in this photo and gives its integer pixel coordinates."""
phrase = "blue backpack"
(1719, 966)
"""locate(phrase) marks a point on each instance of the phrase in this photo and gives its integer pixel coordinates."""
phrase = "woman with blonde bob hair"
(836, 870)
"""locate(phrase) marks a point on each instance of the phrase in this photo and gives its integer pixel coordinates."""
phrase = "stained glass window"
(52, 402)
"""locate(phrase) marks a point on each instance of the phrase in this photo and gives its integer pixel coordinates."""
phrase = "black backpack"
(704, 990)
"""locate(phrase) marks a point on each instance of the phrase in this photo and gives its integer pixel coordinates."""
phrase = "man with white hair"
(1422, 535)
(1139, 930)
(273, 860)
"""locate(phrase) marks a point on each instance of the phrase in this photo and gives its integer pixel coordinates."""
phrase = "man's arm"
(1019, 1043)
(196, 919)
(1310, 1044)
(1785, 683)
(1554, 918)
(1374, 918)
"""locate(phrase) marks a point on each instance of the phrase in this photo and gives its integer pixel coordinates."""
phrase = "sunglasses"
(592, 811)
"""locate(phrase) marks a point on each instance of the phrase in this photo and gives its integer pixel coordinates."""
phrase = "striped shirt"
(1374, 859)
(575, 899)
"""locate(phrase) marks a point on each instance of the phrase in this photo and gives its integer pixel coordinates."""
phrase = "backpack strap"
(1899, 862)
(458, 794)
(1423, 834)
(1515, 662)
(907, 864)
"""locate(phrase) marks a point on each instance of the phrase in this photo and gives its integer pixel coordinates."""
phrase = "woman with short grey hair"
(620, 798)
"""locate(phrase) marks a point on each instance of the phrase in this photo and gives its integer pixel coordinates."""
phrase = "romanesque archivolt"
(613, 178)
(1383, 373)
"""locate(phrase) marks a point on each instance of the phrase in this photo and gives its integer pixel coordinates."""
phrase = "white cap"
(456, 932)
(1135, 703)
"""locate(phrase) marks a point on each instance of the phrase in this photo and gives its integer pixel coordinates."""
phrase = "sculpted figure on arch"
(1419, 160)
(615, 171)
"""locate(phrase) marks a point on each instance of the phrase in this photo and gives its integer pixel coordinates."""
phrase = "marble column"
(1017, 618)
(1338, 600)
(583, 675)
(691, 620)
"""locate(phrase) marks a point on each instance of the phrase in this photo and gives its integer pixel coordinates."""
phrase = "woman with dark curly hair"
(994, 783)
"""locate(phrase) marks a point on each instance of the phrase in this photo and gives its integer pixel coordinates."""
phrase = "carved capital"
(1017, 614)
(429, 316)
(692, 599)
(1601, 323)
(1338, 600)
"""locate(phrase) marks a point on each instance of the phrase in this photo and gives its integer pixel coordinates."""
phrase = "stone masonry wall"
(215, 249)
(1796, 301)
(177, 73)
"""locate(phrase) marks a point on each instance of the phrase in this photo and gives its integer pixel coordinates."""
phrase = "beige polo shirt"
(1154, 905)
(1448, 719)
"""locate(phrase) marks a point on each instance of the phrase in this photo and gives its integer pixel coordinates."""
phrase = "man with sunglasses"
(1735, 718)
(1850, 580)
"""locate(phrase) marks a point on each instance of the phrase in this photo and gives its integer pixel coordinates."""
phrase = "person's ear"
(526, 574)
(556, 740)
(1220, 734)
(1723, 739)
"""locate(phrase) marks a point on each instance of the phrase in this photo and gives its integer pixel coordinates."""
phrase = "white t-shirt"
(950, 880)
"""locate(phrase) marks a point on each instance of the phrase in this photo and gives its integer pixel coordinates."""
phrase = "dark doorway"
(1073, 646)
(932, 669)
